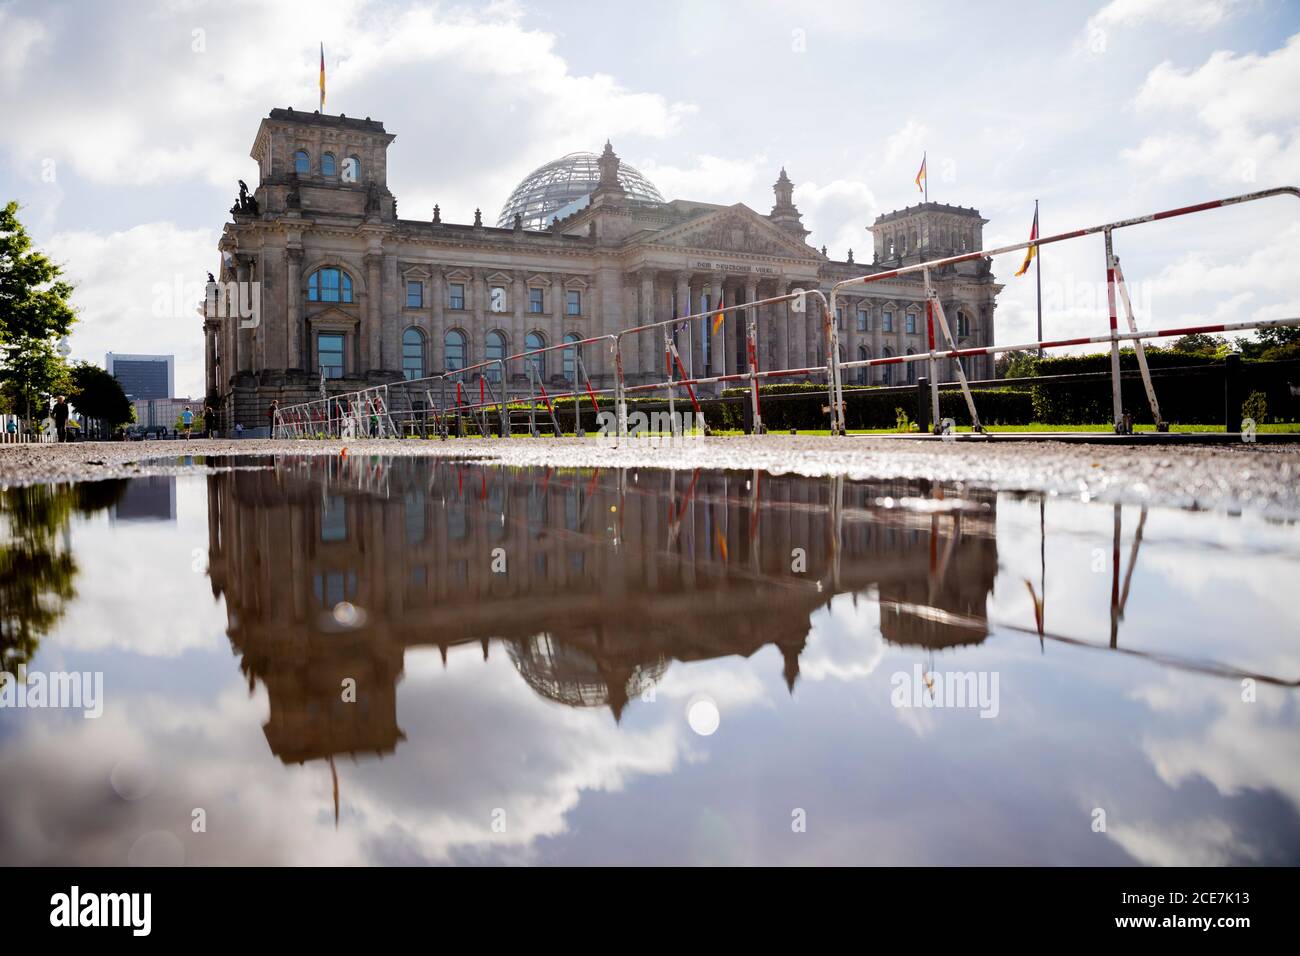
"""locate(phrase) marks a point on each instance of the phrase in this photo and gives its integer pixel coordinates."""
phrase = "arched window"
(864, 373)
(301, 162)
(963, 325)
(571, 360)
(887, 371)
(454, 350)
(535, 340)
(327, 164)
(329, 285)
(352, 170)
(496, 349)
(911, 368)
(413, 353)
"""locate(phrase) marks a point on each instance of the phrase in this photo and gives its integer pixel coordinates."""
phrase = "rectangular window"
(535, 301)
(329, 354)
(574, 303)
(864, 320)
(839, 317)
(456, 295)
(414, 294)
(887, 322)
(911, 324)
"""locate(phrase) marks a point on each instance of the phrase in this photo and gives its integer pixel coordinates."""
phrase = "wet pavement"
(401, 659)
(1261, 477)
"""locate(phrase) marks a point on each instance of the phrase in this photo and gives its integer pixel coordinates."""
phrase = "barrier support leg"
(930, 300)
(1117, 404)
(923, 404)
(620, 397)
(751, 346)
(831, 337)
(961, 372)
(1139, 349)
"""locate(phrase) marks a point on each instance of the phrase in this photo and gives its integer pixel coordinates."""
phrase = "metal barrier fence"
(1114, 284)
(440, 404)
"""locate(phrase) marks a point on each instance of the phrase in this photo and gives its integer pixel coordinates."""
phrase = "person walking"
(187, 422)
(61, 418)
(270, 416)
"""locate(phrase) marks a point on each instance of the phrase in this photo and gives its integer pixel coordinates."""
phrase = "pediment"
(332, 318)
(499, 278)
(735, 229)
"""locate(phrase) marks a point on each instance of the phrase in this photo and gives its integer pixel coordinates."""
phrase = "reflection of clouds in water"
(480, 740)
(210, 755)
(845, 643)
(1236, 746)
(1204, 842)
(137, 591)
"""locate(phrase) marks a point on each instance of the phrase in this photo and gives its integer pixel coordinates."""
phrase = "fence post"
(1232, 392)
(923, 404)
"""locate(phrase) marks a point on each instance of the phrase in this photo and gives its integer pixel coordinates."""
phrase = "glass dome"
(566, 182)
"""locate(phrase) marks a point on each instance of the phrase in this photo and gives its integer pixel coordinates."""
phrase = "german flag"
(920, 175)
(717, 319)
(322, 77)
(1032, 250)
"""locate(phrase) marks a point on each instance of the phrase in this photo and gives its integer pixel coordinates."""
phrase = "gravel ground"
(1260, 478)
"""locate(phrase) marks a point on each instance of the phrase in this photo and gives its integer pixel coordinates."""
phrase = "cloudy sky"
(128, 124)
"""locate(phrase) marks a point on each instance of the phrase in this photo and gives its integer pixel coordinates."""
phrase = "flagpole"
(926, 168)
(1038, 273)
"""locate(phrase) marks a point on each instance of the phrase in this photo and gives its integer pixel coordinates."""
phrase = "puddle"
(366, 660)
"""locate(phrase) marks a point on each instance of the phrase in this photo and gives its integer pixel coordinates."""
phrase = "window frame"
(423, 356)
(419, 289)
(342, 352)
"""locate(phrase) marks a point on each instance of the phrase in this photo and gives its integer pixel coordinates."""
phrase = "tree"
(1197, 343)
(33, 299)
(1016, 364)
(98, 395)
(33, 372)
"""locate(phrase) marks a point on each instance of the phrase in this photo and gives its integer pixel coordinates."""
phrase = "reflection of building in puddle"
(596, 581)
(147, 498)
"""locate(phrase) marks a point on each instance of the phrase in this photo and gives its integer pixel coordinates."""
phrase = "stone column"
(779, 318)
(438, 333)
(794, 321)
(293, 356)
(717, 347)
(683, 339)
(645, 315)
(518, 295)
(390, 308)
(372, 333)
(554, 323)
(210, 357)
(560, 321)
(750, 314)
(243, 337)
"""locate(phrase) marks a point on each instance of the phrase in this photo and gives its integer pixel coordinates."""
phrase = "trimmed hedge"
(1193, 399)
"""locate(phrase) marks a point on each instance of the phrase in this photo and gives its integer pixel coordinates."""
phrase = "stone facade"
(403, 296)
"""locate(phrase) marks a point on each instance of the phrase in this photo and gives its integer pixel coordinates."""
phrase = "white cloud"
(126, 293)
(1198, 14)
(717, 179)
(838, 214)
(1234, 123)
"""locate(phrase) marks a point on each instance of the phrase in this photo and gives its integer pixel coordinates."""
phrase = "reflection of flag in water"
(322, 77)
(722, 543)
(1033, 250)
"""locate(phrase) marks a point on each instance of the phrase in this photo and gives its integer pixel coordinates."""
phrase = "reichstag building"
(352, 294)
